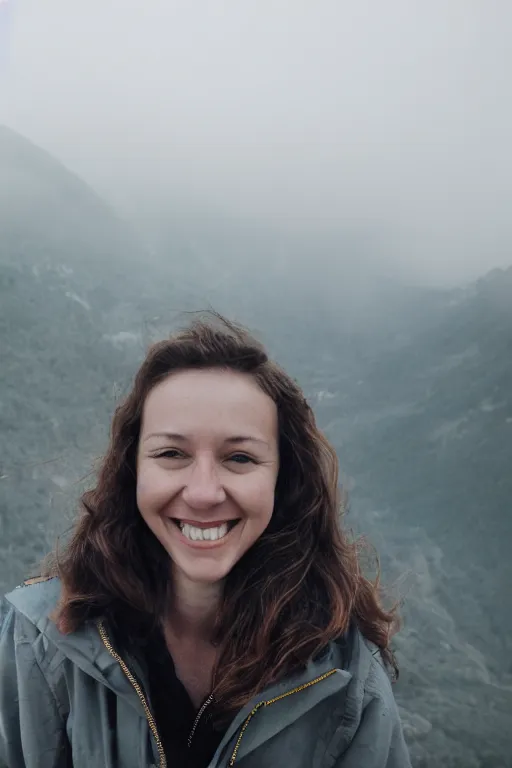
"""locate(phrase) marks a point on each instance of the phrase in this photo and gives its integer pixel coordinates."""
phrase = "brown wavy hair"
(301, 584)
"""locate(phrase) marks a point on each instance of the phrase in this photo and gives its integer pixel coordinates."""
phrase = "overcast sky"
(394, 115)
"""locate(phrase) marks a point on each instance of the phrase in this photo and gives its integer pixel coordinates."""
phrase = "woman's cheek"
(154, 488)
(147, 484)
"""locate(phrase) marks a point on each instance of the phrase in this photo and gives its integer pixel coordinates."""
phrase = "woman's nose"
(203, 488)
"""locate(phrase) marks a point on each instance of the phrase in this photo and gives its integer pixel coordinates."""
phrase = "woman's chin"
(201, 573)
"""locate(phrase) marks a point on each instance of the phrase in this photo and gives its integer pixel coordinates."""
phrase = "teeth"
(204, 534)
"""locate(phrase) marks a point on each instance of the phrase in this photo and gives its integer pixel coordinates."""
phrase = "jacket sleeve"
(379, 741)
(32, 732)
(370, 733)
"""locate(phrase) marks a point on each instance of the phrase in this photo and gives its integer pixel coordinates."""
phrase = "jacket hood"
(37, 601)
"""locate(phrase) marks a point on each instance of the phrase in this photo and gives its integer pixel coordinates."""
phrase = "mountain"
(412, 386)
(47, 213)
(61, 291)
(424, 428)
(429, 433)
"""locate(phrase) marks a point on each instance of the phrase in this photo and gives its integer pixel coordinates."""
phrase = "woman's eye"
(241, 458)
(169, 454)
(172, 453)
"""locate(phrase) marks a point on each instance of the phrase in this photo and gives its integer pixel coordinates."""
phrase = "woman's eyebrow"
(233, 440)
(168, 436)
(245, 439)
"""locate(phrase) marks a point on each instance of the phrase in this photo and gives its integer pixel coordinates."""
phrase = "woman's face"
(207, 468)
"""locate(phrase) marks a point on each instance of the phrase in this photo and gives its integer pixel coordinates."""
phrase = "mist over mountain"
(48, 212)
(411, 384)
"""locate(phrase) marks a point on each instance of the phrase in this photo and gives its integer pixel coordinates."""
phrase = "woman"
(207, 610)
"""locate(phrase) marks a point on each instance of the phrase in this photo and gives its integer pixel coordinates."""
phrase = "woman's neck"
(193, 609)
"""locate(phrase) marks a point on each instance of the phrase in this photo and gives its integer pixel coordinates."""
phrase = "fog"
(392, 118)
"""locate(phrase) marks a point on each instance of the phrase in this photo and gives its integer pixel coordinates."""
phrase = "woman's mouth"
(213, 532)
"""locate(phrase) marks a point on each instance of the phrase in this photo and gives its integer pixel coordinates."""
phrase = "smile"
(202, 533)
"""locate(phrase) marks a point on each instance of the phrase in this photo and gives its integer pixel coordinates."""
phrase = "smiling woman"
(205, 485)
(208, 609)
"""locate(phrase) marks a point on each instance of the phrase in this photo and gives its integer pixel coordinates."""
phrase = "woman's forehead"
(210, 400)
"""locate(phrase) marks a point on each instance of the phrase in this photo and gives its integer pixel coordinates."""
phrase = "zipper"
(151, 719)
(198, 718)
(268, 703)
(138, 689)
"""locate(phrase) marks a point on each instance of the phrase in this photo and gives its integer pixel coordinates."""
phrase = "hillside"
(413, 387)
(47, 213)
(429, 435)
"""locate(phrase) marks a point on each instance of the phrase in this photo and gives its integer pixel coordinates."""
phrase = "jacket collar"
(281, 704)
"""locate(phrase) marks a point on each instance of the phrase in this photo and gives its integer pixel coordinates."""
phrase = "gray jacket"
(57, 709)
